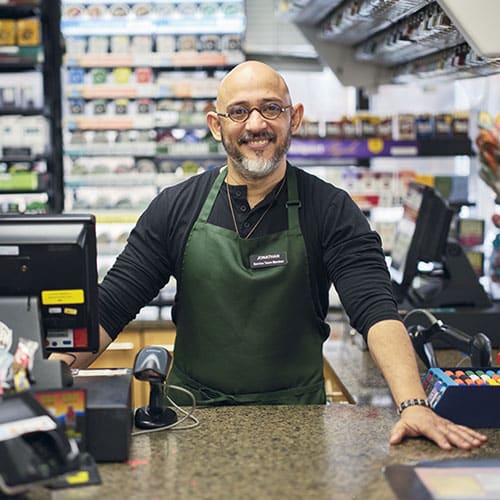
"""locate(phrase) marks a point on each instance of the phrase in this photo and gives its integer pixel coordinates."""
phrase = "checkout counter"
(296, 452)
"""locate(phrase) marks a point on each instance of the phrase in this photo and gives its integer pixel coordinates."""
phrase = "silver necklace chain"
(254, 227)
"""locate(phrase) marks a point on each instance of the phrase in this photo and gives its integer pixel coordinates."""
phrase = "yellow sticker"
(375, 145)
(53, 297)
(80, 477)
(70, 311)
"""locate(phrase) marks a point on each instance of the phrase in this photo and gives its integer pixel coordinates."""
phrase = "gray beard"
(256, 168)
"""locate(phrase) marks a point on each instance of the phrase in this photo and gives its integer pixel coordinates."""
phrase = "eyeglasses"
(269, 111)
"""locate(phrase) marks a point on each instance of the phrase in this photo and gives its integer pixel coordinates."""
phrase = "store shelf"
(376, 147)
(30, 113)
(172, 60)
(185, 89)
(371, 42)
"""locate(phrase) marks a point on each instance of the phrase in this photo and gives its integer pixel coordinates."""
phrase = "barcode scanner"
(151, 365)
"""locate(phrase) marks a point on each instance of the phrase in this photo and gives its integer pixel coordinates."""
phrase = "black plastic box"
(109, 415)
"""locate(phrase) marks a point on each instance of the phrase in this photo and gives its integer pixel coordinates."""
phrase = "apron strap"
(293, 203)
(209, 202)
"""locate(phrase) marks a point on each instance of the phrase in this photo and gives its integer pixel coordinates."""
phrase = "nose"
(255, 120)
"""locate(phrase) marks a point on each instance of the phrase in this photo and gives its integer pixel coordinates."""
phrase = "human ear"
(213, 123)
(297, 115)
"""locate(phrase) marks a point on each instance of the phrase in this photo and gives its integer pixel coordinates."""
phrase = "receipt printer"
(34, 448)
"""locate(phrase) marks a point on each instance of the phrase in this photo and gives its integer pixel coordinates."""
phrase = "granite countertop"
(337, 451)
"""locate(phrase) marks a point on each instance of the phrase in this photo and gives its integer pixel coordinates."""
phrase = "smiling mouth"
(256, 141)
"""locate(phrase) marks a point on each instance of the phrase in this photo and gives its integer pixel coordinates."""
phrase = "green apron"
(247, 334)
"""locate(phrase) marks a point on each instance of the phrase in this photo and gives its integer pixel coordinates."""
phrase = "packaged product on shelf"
(187, 43)
(141, 44)
(76, 75)
(8, 97)
(333, 129)
(73, 11)
(142, 10)
(120, 44)
(7, 32)
(460, 123)
(366, 125)
(144, 106)
(100, 106)
(443, 124)
(231, 9)
(459, 188)
(424, 124)
(122, 75)
(443, 184)
(98, 44)
(405, 127)
(187, 9)
(165, 43)
(309, 129)
(348, 128)
(384, 186)
(208, 9)
(209, 43)
(384, 127)
(165, 11)
(77, 106)
(231, 42)
(28, 32)
(100, 137)
(119, 10)
(143, 75)
(121, 106)
(76, 45)
(97, 11)
(99, 76)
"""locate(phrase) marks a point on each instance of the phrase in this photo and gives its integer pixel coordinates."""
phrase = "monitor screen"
(421, 233)
(54, 259)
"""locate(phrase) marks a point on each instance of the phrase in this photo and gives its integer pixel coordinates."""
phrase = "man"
(254, 247)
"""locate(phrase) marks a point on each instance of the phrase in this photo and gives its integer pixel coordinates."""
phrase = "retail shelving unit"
(31, 177)
(138, 80)
(370, 42)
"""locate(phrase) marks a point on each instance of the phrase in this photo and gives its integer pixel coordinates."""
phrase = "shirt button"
(237, 194)
(246, 225)
(243, 208)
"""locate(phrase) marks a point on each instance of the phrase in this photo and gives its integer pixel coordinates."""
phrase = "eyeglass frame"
(255, 108)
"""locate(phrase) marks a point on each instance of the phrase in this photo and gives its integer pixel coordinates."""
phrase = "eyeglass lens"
(270, 111)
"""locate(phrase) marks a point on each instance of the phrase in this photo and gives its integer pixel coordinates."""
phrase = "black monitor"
(428, 269)
(48, 270)
(421, 233)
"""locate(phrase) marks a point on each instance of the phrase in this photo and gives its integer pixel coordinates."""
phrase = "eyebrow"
(264, 100)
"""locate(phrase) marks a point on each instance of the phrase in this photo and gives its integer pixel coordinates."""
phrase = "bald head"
(252, 78)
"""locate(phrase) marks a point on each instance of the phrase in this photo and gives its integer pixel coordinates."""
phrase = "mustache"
(247, 137)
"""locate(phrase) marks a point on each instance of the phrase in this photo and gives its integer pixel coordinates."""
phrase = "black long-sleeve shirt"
(341, 247)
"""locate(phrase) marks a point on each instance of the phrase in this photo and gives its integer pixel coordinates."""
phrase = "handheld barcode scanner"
(477, 347)
(151, 365)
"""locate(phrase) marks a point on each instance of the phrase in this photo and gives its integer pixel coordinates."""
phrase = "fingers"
(450, 434)
(444, 433)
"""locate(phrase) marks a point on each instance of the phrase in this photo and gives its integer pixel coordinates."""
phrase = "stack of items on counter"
(468, 396)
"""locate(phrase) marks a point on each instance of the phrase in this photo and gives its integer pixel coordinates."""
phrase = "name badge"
(268, 260)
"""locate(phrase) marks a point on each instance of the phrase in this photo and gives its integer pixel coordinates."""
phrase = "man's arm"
(84, 359)
(392, 350)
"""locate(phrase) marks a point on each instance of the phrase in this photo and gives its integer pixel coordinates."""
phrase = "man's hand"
(420, 421)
